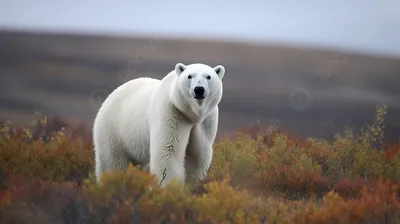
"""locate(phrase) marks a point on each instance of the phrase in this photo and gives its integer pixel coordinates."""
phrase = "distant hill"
(312, 92)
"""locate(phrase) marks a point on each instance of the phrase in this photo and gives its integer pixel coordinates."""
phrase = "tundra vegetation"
(257, 176)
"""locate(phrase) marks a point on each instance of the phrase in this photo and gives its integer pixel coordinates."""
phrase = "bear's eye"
(208, 77)
(189, 77)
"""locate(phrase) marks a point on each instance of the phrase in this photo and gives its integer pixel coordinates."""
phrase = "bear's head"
(199, 87)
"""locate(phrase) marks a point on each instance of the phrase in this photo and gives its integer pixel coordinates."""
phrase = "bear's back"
(125, 111)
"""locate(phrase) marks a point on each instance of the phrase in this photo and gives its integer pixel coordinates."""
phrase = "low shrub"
(54, 156)
(256, 176)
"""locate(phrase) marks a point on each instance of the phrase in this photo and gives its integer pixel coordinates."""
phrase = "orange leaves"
(54, 156)
(5, 196)
(393, 151)
(379, 204)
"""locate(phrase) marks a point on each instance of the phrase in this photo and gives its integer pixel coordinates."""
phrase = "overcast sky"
(371, 26)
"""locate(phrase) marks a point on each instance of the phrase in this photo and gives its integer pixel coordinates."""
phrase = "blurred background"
(308, 67)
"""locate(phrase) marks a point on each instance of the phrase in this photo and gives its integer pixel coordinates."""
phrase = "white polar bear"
(169, 124)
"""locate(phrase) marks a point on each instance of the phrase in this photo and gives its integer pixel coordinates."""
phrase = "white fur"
(159, 123)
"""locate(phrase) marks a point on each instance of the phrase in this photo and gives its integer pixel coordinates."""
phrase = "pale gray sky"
(371, 26)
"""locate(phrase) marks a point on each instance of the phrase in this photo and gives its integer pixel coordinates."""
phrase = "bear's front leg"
(168, 141)
(198, 156)
(199, 151)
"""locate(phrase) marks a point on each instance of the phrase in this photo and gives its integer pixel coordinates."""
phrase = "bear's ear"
(179, 68)
(220, 70)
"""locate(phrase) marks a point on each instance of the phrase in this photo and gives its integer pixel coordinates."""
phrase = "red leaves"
(348, 188)
(393, 151)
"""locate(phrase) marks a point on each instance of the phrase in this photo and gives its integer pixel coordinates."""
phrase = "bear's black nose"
(199, 91)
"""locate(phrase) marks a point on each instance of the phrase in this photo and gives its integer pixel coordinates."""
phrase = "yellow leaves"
(222, 203)
(375, 132)
(5, 131)
(236, 157)
(43, 121)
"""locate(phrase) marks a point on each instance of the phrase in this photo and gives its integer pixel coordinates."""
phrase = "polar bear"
(168, 125)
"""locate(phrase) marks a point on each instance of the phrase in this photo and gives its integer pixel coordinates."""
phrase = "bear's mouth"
(199, 97)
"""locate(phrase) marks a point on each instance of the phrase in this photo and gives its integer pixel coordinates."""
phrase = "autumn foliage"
(258, 176)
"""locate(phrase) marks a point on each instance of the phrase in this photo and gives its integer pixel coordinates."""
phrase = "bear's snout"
(199, 92)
